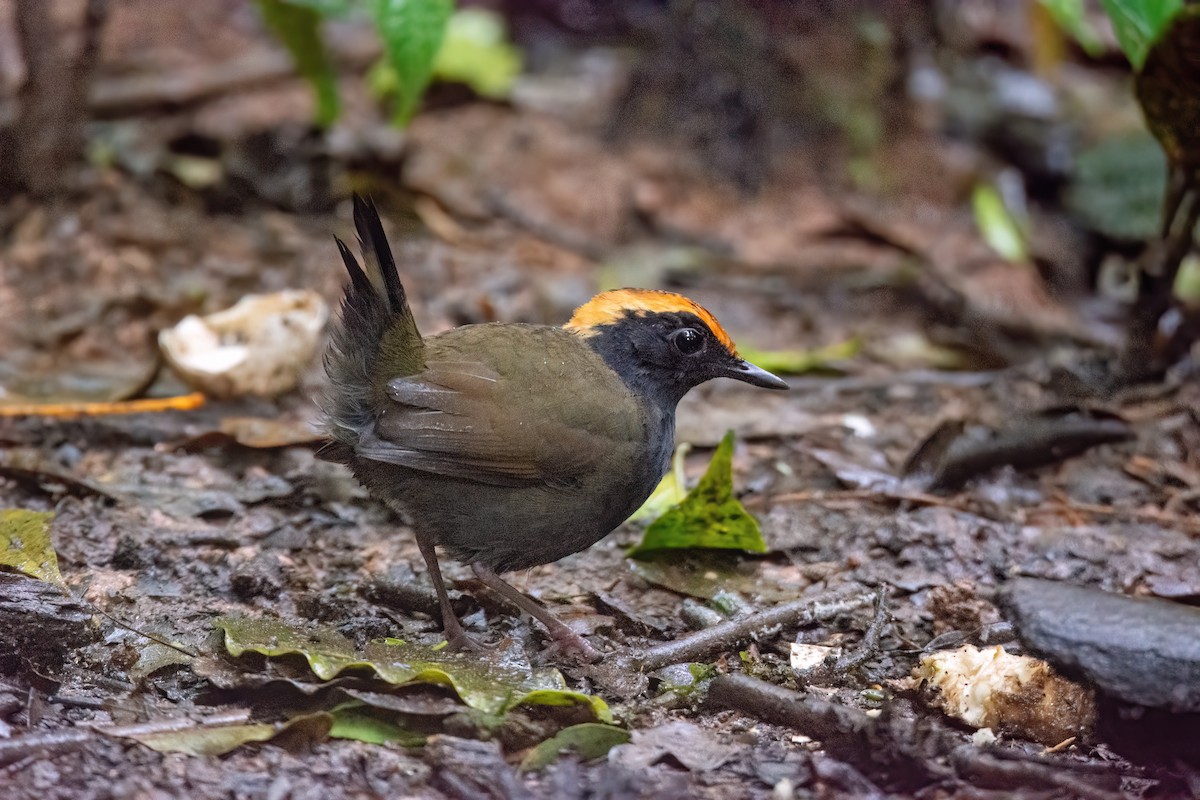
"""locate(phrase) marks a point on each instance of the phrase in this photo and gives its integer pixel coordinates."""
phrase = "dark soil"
(518, 213)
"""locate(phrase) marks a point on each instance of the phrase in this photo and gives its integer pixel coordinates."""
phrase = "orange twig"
(185, 402)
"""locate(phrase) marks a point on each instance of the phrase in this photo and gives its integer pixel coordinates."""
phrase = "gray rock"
(1141, 650)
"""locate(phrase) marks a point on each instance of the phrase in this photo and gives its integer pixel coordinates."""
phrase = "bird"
(511, 445)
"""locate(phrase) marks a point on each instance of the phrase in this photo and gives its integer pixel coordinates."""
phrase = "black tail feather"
(359, 282)
(377, 254)
(375, 338)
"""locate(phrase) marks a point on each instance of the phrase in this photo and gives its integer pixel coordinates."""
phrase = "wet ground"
(163, 522)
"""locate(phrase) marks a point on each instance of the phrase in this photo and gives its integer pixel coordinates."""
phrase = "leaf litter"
(26, 546)
(785, 264)
(482, 685)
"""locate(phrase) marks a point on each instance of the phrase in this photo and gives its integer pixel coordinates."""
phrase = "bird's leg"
(566, 638)
(456, 636)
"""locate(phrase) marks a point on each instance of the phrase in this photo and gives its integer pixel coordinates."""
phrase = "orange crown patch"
(608, 308)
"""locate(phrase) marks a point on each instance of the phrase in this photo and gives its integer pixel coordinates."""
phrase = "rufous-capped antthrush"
(513, 445)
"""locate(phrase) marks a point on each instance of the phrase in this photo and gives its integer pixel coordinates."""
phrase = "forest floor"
(165, 522)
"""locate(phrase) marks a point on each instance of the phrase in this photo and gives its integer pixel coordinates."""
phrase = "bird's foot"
(462, 642)
(574, 647)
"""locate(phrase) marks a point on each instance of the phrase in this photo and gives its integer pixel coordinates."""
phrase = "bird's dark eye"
(688, 341)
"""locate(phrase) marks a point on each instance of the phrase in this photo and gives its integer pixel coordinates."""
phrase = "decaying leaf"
(709, 517)
(694, 748)
(702, 578)
(107, 382)
(490, 688)
(85, 390)
(257, 433)
(155, 656)
(590, 740)
(26, 547)
(203, 739)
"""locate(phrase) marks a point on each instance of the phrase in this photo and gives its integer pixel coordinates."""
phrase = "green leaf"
(355, 721)
(799, 362)
(327, 8)
(25, 545)
(1139, 23)
(589, 739)
(1071, 17)
(476, 51)
(709, 517)
(298, 26)
(1117, 186)
(1000, 230)
(1187, 283)
(671, 490)
(412, 32)
(481, 685)
(214, 740)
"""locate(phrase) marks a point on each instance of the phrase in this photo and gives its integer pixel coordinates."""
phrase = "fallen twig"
(870, 643)
(826, 496)
(186, 402)
(734, 633)
(867, 649)
(949, 458)
(39, 745)
(1166, 519)
(839, 495)
(903, 753)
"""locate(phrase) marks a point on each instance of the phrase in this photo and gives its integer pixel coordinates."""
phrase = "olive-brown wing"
(546, 416)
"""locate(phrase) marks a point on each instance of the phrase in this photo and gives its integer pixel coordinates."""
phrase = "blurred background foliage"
(1022, 113)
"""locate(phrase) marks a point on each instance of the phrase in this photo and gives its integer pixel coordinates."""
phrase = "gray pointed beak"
(755, 376)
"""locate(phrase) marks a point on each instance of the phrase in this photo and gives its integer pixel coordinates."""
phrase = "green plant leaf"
(1187, 283)
(589, 739)
(799, 362)
(1071, 17)
(25, 545)
(670, 490)
(1000, 230)
(1117, 186)
(490, 688)
(709, 517)
(1139, 23)
(476, 51)
(298, 26)
(327, 8)
(356, 721)
(412, 32)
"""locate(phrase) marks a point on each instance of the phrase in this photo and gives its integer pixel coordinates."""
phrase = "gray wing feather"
(443, 421)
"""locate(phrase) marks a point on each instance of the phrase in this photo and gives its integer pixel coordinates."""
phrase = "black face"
(663, 355)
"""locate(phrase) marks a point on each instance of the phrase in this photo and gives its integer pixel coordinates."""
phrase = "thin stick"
(734, 633)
